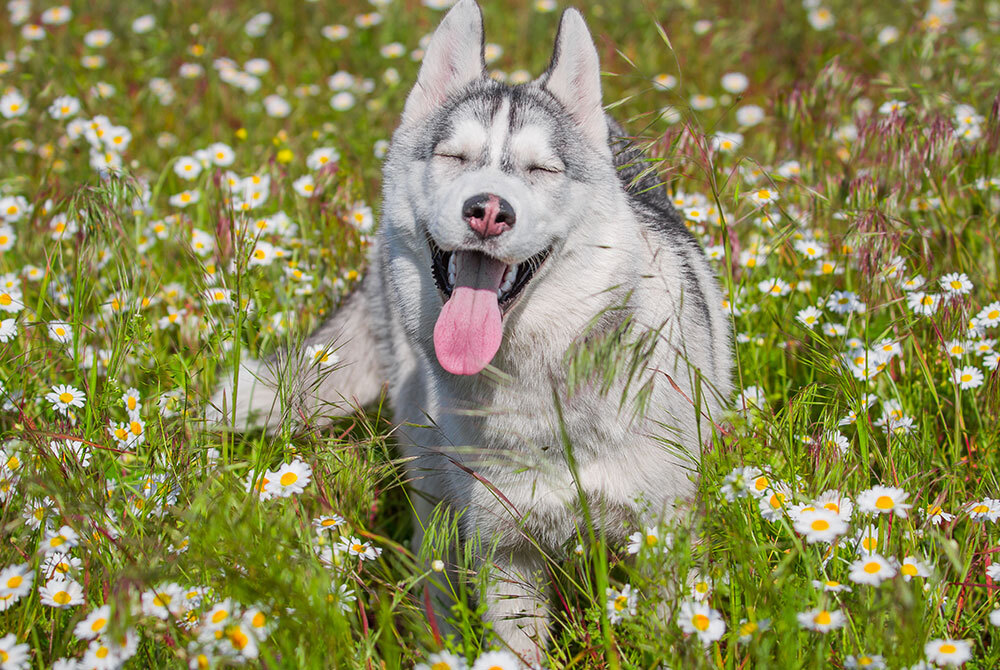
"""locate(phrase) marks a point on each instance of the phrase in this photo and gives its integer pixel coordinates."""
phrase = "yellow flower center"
(872, 567)
(98, 625)
(620, 603)
(65, 397)
(761, 483)
(14, 581)
(822, 619)
(947, 648)
(763, 194)
(258, 620)
(219, 616)
(700, 622)
(238, 638)
(62, 598)
(909, 569)
(288, 478)
(820, 524)
(884, 502)
(980, 509)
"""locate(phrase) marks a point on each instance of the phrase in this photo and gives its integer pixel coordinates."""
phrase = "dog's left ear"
(574, 77)
(453, 59)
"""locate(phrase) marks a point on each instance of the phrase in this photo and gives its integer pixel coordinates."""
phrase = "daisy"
(64, 396)
(820, 18)
(831, 586)
(219, 616)
(936, 515)
(12, 105)
(497, 660)
(185, 198)
(60, 540)
(726, 142)
(60, 564)
(64, 107)
(987, 509)
(61, 593)
(621, 604)
(11, 300)
(13, 656)
(924, 304)
(820, 525)
(989, 316)
(749, 115)
(16, 580)
(968, 377)
(442, 660)
(305, 186)
(320, 158)
(186, 167)
(956, 283)
(748, 628)
(702, 620)
(361, 217)
(995, 618)
(948, 652)
(94, 624)
(772, 504)
(867, 540)
(100, 656)
(872, 570)
(735, 82)
(649, 538)
(821, 620)
(290, 479)
(763, 196)
(913, 567)
(875, 662)
(355, 547)
(701, 586)
(837, 503)
(61, 332)
(164, 602)
(884, 500)
(342, 101)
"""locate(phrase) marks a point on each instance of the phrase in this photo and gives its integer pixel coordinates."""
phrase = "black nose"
(488, 214)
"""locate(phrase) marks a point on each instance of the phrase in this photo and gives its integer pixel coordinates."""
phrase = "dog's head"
(500, 178)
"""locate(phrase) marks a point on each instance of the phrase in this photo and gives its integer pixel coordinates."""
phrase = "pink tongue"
(468, 331)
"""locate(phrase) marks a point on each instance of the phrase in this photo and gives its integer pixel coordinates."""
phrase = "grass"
(875, 195)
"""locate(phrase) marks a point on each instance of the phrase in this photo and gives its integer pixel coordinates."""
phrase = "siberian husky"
(550, 335)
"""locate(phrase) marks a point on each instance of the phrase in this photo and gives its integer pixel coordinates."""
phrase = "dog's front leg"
(517, 602)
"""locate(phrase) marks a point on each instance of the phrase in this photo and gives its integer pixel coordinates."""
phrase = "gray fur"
(619, 251)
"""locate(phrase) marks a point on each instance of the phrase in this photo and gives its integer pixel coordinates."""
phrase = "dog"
(551, 336)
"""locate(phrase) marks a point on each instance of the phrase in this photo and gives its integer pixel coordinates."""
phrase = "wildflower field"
(185, 184)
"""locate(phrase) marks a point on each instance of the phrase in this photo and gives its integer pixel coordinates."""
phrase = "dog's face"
(499, 178)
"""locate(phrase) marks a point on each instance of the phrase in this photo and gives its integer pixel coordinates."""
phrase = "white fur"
(503, 424)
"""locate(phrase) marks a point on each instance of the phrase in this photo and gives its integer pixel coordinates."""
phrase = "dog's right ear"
(453, 58)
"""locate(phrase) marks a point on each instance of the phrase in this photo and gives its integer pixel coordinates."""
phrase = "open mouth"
(477, 289)
(445, 266)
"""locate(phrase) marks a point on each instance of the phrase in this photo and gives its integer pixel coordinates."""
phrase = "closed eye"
(457, 157)
(550, 169)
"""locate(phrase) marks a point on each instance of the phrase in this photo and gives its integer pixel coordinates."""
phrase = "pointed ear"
(453, 58)
(574, 77)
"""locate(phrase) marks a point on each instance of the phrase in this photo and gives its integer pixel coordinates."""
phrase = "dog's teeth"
(509, 279)
(452, 270)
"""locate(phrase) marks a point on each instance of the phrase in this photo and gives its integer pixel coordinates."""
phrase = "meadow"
(184, 185)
